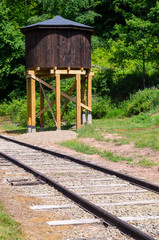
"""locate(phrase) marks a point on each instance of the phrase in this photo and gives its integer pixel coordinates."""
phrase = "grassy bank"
(9, 229)
(142, 130)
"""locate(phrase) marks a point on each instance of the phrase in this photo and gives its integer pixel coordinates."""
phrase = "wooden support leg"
(28, 105)
(58, 105)
(78, 101)
(41, 108)
(83, 84)
(33, 105)
(89, 101)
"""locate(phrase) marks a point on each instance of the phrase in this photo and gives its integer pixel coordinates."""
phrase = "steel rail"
(133, 180)
(85, 204)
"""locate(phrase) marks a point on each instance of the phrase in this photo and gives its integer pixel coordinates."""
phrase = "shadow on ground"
(24, 130)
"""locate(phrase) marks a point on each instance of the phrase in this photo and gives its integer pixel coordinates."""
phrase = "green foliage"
(12, 55)
(141, 118)
(142, 101)
(80, 11)
(116, 112)
(125, 52)
(139, 106)
(70, 114)
(137, 39)
(17, 110)
(100, 107)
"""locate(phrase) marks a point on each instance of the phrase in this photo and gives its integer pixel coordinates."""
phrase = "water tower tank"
(58, 42)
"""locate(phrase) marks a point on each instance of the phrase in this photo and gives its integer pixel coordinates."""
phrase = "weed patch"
(111, 157)
(146, 163)
(83, 148)
(80, 147)
(9, 229)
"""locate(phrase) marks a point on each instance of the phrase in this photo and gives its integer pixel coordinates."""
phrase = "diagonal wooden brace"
(62, 93)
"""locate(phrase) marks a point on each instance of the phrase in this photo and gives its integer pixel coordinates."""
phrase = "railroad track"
(110, 197)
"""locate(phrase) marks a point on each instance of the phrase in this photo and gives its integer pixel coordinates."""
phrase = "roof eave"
(24, 30)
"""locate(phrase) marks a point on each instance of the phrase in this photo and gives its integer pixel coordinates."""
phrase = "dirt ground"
(16, 204)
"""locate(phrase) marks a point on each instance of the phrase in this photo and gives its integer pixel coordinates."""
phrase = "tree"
(12, 55)
(77, 10)
(137, 39)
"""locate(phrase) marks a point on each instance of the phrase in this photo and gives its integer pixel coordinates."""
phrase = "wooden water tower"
(61, 49)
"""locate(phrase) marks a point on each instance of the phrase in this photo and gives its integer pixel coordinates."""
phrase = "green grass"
(111, 157)
(146, 163)
(9, 229)
(144, 133)
(13, 128)
(91, 132)
(80, 147)
(142, 130)
(83, 148)
(119, 142)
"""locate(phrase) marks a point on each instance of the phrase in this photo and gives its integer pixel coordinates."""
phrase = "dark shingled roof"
(57, 22)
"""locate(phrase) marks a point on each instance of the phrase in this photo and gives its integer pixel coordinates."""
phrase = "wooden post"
(89, 100)
(33, 105)
(83, 84)
(28, 105)
(58, 104)
(41, 108)
(78, 101)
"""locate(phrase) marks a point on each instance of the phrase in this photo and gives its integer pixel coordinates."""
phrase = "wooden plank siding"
(47, 48)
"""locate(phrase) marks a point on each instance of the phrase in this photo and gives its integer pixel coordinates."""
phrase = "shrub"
(17, 110)
(100, 107)
(143, 101)
(116, 113)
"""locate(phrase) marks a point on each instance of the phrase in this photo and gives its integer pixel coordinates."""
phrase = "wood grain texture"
(89, 91)
(47, 48)
(58, 103)
(78, 101)
(29, 102)
(33, 104)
